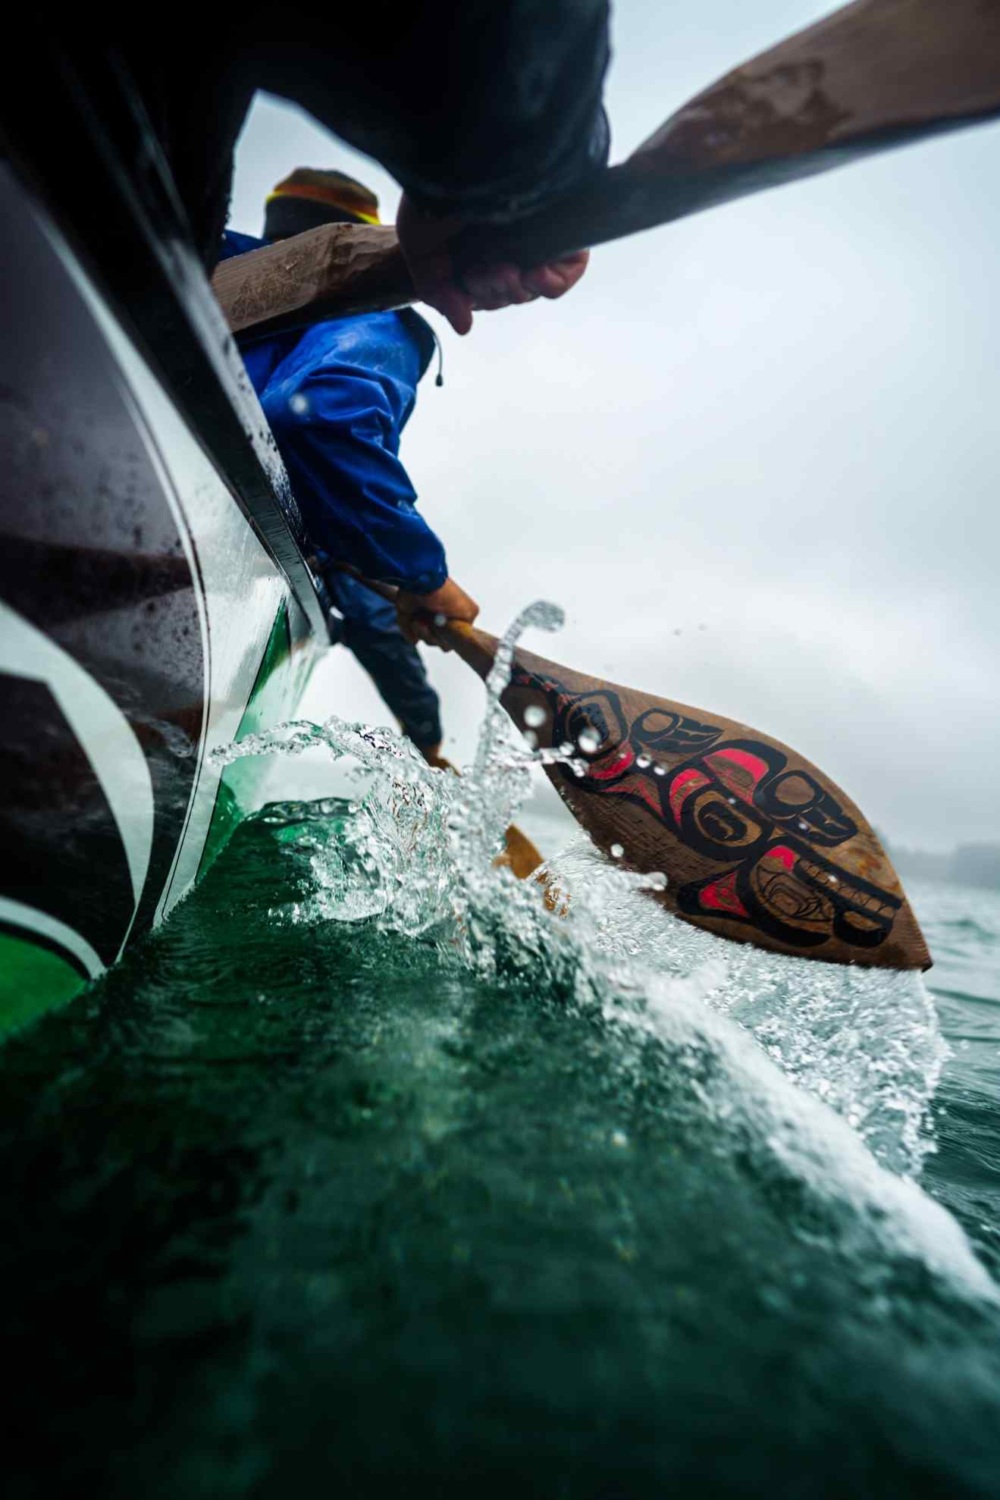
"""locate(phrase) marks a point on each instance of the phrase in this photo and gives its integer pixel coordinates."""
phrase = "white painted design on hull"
(105, 735)
(17, 914)
(237, 586)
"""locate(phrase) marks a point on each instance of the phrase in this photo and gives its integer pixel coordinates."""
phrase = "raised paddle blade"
(868, 77)
(757, 844)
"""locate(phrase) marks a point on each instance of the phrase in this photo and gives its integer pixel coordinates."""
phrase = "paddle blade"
(870, 75)
(757, 844)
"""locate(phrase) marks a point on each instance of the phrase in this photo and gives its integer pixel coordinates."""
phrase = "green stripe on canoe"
(229, 808)
(33, 979)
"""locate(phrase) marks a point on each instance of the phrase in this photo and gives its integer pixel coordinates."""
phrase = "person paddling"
(337, 397)
(481, 112)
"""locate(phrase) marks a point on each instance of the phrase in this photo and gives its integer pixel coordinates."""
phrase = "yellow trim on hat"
(320, 195)
(333, 195)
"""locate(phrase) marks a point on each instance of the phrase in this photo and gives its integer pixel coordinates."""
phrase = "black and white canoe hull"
(154, 604)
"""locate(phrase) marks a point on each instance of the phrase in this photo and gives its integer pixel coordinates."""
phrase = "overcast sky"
(778, 421)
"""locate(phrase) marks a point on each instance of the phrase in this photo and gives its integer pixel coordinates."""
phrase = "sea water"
(375, 1170)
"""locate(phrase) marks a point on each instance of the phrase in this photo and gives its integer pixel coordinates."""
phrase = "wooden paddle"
(873, 75)
(757, 844)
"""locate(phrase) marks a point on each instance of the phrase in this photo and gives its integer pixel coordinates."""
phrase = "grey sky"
(779, 420)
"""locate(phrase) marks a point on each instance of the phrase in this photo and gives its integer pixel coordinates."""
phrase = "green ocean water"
(300, 1199)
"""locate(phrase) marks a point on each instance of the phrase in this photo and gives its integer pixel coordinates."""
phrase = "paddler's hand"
(421, 615)
(423, 240)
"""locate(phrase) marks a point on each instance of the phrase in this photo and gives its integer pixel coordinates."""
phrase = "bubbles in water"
(617, 850)
(299, 404)
(588, 742)
(534, 716)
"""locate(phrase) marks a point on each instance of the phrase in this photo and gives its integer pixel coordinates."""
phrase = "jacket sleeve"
(478, 108)
(235, 243)
(337, 428)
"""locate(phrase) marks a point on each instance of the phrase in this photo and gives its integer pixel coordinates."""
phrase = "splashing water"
(587, 1221)
(415, 853)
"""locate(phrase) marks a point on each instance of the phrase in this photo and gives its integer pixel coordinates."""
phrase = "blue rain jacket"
(337, 397)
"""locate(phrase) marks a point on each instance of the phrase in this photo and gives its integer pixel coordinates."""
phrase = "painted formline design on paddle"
(735, 801)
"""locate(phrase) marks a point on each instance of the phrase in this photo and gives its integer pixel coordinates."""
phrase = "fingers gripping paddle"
(873, 75)
(757, 844)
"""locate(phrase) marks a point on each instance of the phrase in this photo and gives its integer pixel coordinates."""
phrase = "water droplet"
(440, 621)
(534, 716)
(617, 850)
(542, 615)
(589, 742)
(659, 770)
(643, 762)
(299, 404)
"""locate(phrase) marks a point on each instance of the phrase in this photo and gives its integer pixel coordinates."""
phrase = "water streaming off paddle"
(415, 851)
